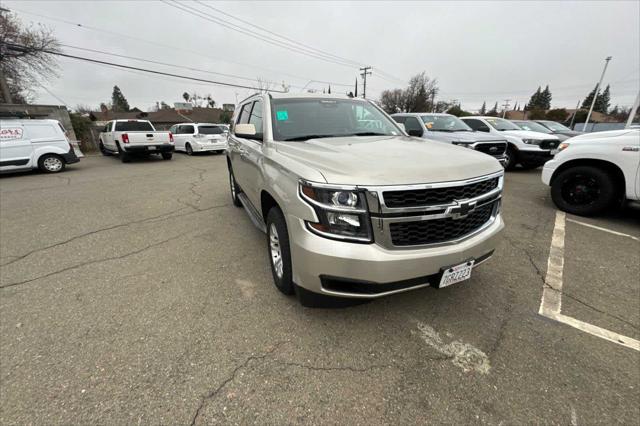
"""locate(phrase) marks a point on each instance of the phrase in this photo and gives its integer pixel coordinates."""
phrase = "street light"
(595, 96)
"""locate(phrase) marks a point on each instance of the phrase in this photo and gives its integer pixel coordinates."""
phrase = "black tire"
(167, 155)
(583, 190)
(530, 166)
(188, 149)
(124, 156)
(510, 158)
(104, 150)
(234, 189)
(219, 152)
(279, 251)
(51, 163)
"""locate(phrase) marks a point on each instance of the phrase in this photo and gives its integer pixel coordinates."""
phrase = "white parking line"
(551, 302)
(604, 229)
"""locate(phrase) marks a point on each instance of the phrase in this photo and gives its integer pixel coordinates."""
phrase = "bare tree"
(417, 97)
(392, 101)
(26, 58)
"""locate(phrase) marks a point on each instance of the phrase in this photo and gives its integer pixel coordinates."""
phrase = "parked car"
(449, 128)
(199, 137)
(534, 126)
(34, 144)
(559, 129)
(529, 149)
(130, 137)
(595, 171)
(359, 213)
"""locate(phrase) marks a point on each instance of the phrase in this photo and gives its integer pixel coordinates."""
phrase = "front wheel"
(103, 150)
(279, 252)
(51, 163)
(233, 187)
(510, 158)
(167, 155)
(583, 190)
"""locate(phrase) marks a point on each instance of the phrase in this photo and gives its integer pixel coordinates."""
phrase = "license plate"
(554, 151)
(152, 148)
(455, 274)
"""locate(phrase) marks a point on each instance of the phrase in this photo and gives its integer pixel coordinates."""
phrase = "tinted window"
(133, 126)
(209, 130)
(256, 117)
(399, 119)
(412, 124)
(243, 117)
(188, 129)
(476, 124)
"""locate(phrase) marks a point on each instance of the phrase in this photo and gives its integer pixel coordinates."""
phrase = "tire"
(279, 251)
(235, 189)
(124, 156)
(188, 149)
(51, 163)
(104, 150)
(583, 190)
(530, 166)
(511, 158)
(167, 155)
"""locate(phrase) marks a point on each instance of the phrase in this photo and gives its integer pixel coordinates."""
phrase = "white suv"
(199, 137)
(529, 149)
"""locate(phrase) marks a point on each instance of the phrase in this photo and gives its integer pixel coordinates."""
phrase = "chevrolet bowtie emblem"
(461, 209)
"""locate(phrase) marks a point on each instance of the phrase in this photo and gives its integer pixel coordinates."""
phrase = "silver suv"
(449, 128)
(351, 205)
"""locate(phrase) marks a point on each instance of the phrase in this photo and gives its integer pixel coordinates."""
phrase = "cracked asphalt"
(137, 294)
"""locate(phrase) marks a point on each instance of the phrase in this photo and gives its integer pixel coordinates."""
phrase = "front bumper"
(317, 261)
(538, 157)
(547, 171)
(150, 149)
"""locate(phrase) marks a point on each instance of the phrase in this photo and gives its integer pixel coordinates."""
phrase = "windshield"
(134, 126)
(532, 126)
(445, 123)
(501, 124)
(556, 126)
(209, 130)
(302, 119)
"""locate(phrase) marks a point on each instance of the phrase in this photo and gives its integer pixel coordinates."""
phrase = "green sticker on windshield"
(282, 115)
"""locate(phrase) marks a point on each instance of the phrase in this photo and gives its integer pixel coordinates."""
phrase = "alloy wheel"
(276, 251)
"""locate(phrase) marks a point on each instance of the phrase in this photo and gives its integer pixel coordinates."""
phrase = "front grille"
(496, 149)
(435, 196)
(438, 230)
(549, 144)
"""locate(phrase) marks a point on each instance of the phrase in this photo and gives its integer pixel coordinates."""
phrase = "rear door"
(15, 147)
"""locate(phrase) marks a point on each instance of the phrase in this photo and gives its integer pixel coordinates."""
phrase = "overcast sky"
(477, 51)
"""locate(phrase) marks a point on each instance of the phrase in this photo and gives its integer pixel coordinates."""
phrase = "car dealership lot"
(155, 304)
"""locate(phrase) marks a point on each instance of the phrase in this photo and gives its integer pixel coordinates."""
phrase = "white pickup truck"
(595, 171)
(128, 137)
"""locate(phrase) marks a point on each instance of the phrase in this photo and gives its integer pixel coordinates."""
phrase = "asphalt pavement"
(138, 294)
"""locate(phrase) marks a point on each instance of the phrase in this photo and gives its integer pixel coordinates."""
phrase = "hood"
(388, 160)
(527, 134)
(464, 137)
(601, 136)
(569, 133)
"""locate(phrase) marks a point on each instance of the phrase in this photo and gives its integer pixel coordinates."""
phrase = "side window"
(256, 117)
(188, 129)
(413, 126)
(172, 129)
(477, 125)
(243, 117)
(107, 127)
(399, 119)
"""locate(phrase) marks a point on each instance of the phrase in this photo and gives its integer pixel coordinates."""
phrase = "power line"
(16, 47)
(165, 46)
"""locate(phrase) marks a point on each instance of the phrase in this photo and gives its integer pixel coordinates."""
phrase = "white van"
(199, 137)
(34, 144)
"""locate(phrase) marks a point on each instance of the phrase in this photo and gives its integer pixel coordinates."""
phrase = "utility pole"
(505, 106)
(633, 111)
(365, 72)
(595, 96)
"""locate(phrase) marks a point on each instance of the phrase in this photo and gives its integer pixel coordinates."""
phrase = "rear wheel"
(124, 156)
(279, 252)
(583, 190)
(188, 148)
(510, 158)
(51, 163)
(167, 155)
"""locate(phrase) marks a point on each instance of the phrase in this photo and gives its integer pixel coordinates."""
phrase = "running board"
(253, 214)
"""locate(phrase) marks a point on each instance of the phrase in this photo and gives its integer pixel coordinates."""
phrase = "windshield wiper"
(367, 134)
(307, 137)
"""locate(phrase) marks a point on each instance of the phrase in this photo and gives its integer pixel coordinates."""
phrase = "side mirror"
(415, 132)
(401, 125)
(245, 130)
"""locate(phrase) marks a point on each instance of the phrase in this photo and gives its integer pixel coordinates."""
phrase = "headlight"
(465, 145)
(563, 146)
(531, 141)
(342, 212)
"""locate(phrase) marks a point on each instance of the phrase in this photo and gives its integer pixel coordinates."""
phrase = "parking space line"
(551, 302)
(604, 229)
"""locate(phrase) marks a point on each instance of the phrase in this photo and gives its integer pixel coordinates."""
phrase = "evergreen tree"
(534, 102)
(118, 101)
(545, 99)
(483, 109)
(603, 101)
(586, 104)
(494, 111)
(329, 89)
(186, 96)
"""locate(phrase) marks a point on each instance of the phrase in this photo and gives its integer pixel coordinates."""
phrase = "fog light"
(343, 219)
